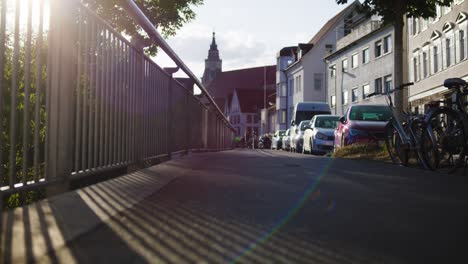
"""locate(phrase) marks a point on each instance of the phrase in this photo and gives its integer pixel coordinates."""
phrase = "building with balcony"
(437, 50)
(362, 64)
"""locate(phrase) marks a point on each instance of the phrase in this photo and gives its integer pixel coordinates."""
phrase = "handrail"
(154, 35)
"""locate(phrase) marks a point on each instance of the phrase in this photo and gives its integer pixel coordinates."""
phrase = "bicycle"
(444, 140)
(402, 136)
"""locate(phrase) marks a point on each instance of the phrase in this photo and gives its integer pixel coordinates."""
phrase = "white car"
(319, 137)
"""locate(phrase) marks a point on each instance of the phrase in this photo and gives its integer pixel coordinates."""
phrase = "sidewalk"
(40, 232)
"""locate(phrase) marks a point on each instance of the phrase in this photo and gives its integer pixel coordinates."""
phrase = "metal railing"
(77, 98)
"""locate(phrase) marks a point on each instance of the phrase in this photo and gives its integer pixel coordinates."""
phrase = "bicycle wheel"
(418, 129)
(395, 147)
(443, 142)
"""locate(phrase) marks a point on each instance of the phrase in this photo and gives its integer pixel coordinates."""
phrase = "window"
(387, 44)
(256, 119)
(415, 69)
(344, 65)
(365, 91)
(461, 44)
(435, 58)
(388, 83)
(283, 116)
(415, 28)
(354, 95)
(425, 64)
(333, 101)
(378, 85)
(318, 81)
(249, 119)
(354, 60)
(378, 48)
(365, 56)
(298, 83)
(448, 50)
(345, 97)
(332, 71)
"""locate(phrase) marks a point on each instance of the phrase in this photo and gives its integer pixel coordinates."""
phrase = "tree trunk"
(398, 55)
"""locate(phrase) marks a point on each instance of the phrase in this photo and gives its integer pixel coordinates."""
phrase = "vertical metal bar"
(131, 117)
(62, 89)
(120, 105)
(103, 97)
(97, 100)
(3, 8)
(107, 99)
(37, 106)
(14, 102)
(154, 114)
(126, 97)
(27, 94)
(92, 95)
(112, 102)
(78, 92)
(86, 89)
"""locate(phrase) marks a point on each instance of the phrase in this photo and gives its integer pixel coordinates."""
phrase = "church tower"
(213, 64)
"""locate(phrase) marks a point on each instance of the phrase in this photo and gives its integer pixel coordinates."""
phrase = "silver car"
(277, 140)
(287, 140)
(297, 140)
(320, 136)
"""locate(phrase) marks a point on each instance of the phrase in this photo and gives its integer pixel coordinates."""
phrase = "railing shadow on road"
(172, 229)
(52, 230)
(150, 230)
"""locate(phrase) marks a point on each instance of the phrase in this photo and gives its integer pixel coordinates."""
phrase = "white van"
(305, 111)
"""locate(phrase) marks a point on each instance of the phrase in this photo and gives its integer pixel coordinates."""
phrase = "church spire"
(213, 42)
(213, 64)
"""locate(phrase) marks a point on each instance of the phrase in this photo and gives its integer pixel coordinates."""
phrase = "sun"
(29, 10)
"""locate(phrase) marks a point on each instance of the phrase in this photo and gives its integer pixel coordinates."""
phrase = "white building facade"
(437, 50)
(363, 64)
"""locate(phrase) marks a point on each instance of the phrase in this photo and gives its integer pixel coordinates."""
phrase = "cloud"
(238, 49)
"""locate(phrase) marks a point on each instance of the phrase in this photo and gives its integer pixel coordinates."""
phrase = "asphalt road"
(275, 207)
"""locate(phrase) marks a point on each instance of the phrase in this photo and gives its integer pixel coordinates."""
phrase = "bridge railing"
(78, 99)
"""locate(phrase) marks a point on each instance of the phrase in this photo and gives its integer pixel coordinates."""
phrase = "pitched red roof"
(251, 78)
(251, 101)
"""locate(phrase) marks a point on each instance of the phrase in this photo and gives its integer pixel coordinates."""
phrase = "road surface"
(255, 206)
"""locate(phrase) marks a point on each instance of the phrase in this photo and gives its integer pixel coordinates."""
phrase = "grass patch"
(363, 151)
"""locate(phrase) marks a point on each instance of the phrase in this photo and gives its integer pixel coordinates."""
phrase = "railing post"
(62, 87)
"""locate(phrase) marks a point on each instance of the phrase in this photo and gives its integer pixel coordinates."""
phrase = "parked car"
(287, 140)
(298, 140)
(264, 142)
(277, 140)
(362, 124)
(305, 111)
(319, 138)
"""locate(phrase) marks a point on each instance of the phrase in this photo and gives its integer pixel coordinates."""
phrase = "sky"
(249, 33)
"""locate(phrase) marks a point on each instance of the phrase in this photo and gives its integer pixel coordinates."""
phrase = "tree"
(394, 13)
(167, 15)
